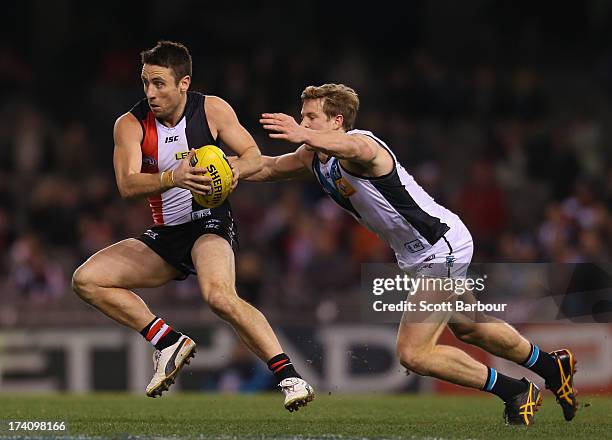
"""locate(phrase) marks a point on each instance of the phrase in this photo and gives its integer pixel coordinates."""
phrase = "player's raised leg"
(501, 339)
(419, 352)
(105, 280)
(213, 259)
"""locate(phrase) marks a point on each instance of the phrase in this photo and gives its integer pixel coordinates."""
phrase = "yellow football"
(214, 160)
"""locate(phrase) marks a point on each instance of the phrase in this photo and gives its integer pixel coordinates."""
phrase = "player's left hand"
(233, 161)
(284, 126)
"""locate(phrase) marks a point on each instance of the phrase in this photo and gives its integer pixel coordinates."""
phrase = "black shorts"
(174, 243)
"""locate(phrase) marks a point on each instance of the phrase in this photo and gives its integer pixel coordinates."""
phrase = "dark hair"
(169, 54)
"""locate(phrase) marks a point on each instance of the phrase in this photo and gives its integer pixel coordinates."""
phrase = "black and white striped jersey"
(163, 149)
(393, 206)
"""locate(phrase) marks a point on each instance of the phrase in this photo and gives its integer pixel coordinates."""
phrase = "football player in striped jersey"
(362, 175)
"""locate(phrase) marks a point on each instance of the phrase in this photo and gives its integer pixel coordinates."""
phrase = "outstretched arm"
(287, 166)
(357, 148)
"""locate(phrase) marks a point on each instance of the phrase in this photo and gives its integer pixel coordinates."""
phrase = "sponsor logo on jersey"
(151, 234)
(213, 223)
(333, 175)
(200, 214)
(171, 139)
(150, 161)
(334, 169)
(344, 187)
(415, 246)
(422, 267)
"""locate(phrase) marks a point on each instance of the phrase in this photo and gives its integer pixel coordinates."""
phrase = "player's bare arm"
(336, 143)
(288, 166)
(225, 125)
(133, 183)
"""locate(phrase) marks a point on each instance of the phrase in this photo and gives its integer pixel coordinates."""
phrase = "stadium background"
(499, 109)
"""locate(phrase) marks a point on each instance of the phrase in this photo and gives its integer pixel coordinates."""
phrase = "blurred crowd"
(520, 152)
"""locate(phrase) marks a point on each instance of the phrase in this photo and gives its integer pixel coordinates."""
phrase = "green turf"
(262, 416)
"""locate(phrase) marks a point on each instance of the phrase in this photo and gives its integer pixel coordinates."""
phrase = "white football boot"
(167, 364)
(297, 393)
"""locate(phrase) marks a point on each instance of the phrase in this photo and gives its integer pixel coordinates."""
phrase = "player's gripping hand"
(284, 127)
(192, 178)
(233, 161)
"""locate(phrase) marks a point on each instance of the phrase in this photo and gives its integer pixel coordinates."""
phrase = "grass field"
(331, 417)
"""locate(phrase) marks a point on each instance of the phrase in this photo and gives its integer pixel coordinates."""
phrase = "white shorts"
(450, 257)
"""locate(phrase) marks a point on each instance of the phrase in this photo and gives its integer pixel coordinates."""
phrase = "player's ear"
(338, 122)
(184, 83)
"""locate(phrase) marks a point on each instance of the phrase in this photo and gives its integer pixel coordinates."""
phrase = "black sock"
(544, 365)
(160, 334)
(503, 386)
(282, 367)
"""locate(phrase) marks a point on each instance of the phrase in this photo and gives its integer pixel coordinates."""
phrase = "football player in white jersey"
(362, 175)
(154, 143)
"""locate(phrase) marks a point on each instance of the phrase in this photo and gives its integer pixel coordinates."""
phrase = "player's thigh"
(467, 319)
(127, 264)
(213, 259)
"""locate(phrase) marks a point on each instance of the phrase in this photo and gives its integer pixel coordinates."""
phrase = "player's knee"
(413, 360)
(83, 283)
(224, 306)
(222, 300)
